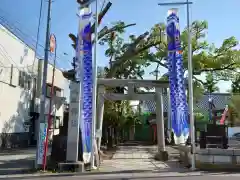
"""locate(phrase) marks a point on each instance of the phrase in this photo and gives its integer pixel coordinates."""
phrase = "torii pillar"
(100, 112)
(162, 153)
(157, 96)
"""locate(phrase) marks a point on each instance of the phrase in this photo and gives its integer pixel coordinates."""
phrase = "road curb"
(106, 174)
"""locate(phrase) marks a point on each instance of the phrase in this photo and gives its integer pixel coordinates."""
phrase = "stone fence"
(211, 158)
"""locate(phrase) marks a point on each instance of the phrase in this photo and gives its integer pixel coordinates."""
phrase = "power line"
(16, 21)
(6, 56)
(4, 53)
(31, 46)
(38, 32)
(11, 26)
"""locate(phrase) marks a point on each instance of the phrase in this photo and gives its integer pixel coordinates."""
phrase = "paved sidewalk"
(15, 161)
(138, 159)
(12, 163)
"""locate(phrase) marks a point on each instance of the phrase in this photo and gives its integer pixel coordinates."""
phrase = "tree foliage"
(210, 85)
(120, 115)
(127, 59)
(151, 47)
(236, 84)
(234, 107)
(206, 57)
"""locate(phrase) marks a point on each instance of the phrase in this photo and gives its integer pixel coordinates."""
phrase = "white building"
(18, 86)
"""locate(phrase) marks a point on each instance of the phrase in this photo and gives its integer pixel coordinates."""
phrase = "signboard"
(73, 124)
(52, 43)
(74, 105)
(42, 139)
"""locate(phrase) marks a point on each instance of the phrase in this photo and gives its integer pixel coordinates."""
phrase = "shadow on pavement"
(172, 163)
(100, 175)
(17, 151)
(136, 143)
(18, 166)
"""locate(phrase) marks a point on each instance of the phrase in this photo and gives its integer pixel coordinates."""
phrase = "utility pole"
(42, 120)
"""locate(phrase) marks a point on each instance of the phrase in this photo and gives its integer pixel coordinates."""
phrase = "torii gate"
(131, 84)
(73, 125)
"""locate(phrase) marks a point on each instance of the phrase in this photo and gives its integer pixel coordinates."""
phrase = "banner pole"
(190, 88)
(94, 102)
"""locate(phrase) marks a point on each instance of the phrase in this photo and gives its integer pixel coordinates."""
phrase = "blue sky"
(24, 14)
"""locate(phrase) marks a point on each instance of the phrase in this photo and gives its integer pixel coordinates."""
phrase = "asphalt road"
(142, 176)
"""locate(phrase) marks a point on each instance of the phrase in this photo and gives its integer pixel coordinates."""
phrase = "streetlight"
(190, 79)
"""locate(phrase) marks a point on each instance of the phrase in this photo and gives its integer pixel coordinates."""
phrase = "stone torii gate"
(131, 84)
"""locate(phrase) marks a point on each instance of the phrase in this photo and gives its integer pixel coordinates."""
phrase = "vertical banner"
(182, 107)
(84, 75)
(172, 68)
(42, 139)
(179, 109)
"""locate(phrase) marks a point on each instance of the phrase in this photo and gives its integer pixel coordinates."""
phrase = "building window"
(21, 79)
(25, 51)
(24, 80)
(28, 82)
(57, 92)
(48, 91)
(11, 74)
(56, 122)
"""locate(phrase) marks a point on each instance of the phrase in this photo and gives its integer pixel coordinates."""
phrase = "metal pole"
(190, 88)
(39, 75)
(50, 117)
(44, 79)
(210, 106)
(94, 65)
(169, 114)
(190, 79)
(34, 60)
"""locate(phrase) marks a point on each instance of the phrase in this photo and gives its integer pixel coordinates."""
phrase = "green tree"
(128, 59)
(223, 61)
(234, 107)
(110, 36)
(210, 85)
(236, 84)
(151, 47)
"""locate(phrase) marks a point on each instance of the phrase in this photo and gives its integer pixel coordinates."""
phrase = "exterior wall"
(59, 81)
(212, 158)
(15, 56)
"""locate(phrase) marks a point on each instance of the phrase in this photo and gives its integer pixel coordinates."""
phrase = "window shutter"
(13, 81)
(21, 79)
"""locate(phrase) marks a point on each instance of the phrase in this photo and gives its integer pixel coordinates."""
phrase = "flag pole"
(94, 102)
(190, 79)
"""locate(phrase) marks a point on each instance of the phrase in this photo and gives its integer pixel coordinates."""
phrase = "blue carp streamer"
(179, 108)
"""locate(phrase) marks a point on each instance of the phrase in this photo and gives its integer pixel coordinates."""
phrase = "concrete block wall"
(211, 158)
(219, 156)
